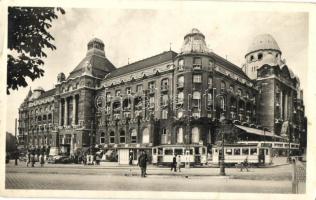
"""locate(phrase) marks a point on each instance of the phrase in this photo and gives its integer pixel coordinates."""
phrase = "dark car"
(59, 159)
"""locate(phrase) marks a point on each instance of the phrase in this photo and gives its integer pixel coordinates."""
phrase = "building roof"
(229, 65)
(100, 66)
(263, 42)
(142, 64)
(48, 93)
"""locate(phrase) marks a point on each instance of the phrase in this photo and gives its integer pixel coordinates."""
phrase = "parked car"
(59, 159)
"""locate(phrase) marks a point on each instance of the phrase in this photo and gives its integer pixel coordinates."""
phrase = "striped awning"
(258, 131)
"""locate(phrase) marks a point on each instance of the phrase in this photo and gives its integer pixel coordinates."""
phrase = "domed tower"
(262, 50)
(37, 92)
(61, 77)
(96, 46)
(192, 77)
(194, 41)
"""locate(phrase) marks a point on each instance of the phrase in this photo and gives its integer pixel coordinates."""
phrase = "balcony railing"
(197, 67)
(164, 88)
(180, 85)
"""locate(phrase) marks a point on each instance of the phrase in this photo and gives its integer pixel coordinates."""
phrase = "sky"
(136, 34)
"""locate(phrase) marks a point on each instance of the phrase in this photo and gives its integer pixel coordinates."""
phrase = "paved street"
(79, 177)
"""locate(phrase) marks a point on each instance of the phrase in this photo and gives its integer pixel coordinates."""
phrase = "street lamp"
(222, 121)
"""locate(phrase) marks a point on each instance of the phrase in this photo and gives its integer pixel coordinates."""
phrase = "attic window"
(251, 58)
(259, 56)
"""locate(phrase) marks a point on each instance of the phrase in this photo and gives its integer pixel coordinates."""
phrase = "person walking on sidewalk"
(42, 160)
(142, 162)
(179, 163)
(174, 163)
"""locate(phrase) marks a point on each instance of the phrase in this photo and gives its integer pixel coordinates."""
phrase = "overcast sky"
(137, 34)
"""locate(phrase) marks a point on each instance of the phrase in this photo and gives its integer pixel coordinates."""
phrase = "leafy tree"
(28, 36)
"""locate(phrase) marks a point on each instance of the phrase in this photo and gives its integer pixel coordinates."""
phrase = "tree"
(28, 36)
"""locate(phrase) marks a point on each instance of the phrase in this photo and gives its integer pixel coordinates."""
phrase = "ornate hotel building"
(167, 99)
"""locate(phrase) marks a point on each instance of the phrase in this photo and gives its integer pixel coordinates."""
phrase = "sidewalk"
(280, 172)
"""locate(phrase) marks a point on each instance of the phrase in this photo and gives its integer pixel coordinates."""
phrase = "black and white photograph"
(157, 100)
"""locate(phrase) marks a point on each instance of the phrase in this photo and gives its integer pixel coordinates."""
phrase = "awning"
(257, 131)
(109, 152)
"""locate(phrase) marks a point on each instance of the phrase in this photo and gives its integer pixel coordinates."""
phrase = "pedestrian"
(28, 158)
(142, 162)
(244, 165)
(174, 163)
(42, 160)
(179, 163)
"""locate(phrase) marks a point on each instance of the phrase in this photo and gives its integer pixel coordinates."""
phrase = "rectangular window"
(139, 88)
(117, 93)
(128, 90)
(197, 78)
(237, 152)
(151, 85)
(245, 151)
(197, 63)
(229, 152)
(164, 114)
(178, 151)
(112, 137)
(168, 152)
(253, 151)
(164, 100)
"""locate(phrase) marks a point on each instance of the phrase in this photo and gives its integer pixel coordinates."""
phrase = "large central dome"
(194, 42)
(263, 42)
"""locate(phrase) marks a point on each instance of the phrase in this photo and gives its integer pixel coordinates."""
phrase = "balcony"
(180, 85)
(151, 90)
(164, 88)
(197, 67)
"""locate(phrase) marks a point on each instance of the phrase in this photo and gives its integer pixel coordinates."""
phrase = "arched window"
(145, 136)
(180, 64)
(112, 137)
(223, 86)
(251, 58)
(102, 138)
(196, 95)
(231, 88)
(210, 82)
(133, 136)
(239, 92)
(195, 135)
(164, 84)
(122, 136)
(259, 56)
(180, 135)
(180, 81)
(180, 97)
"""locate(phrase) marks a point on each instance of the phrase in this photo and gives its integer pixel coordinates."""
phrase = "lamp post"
(222, 121)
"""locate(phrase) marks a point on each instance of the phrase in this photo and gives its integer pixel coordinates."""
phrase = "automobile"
(59, 159)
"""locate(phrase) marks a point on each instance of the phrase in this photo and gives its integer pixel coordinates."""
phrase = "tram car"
(237, 153)
(193, 154)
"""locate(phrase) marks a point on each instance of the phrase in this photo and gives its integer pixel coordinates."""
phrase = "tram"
(192, 154)
(237, 153)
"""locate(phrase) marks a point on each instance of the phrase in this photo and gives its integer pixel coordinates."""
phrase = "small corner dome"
(263, 42)
(194, 41)
(39, 88)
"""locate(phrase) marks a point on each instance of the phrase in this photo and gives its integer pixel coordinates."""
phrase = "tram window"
(253, 151)
(154, 151)
(178, 151)
(216, 150)
(203, 150)
(237, 152)
(191, 151)
(267, 151)
(159, 151)
(245, 151)
(168, 152)
(229, 152)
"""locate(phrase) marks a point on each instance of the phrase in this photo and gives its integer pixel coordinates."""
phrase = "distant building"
(167, 99)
